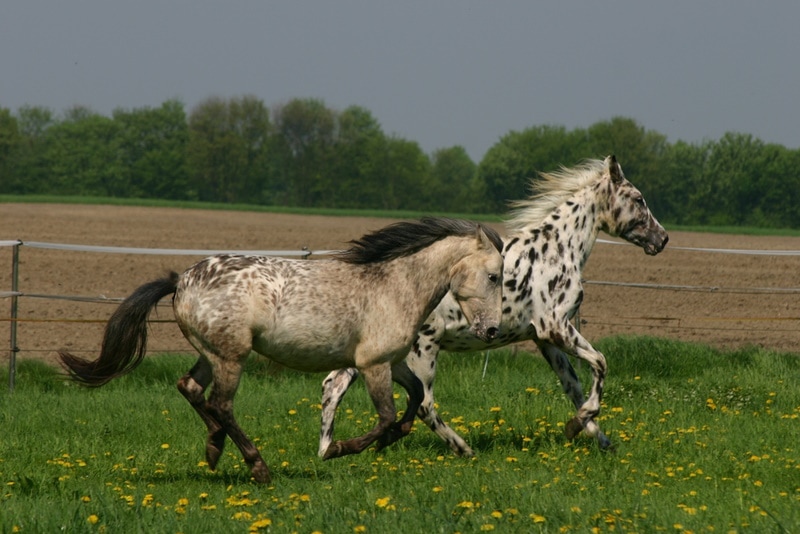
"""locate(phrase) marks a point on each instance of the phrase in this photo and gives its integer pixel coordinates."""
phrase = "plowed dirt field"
(717, 298)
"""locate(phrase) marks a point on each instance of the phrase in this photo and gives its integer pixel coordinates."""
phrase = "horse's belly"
(307, 353)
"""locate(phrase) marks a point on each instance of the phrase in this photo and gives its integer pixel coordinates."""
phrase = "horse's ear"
(614, 170)
(483, 239)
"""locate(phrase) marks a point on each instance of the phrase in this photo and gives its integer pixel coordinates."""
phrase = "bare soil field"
(720, 299)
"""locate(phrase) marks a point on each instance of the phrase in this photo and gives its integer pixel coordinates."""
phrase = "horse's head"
(628, 215)
(476, 282)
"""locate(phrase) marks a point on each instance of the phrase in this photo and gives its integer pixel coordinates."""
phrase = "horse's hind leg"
(193, 386)
(227, 373)
(571, 385)
(378, 379)
(334, 387)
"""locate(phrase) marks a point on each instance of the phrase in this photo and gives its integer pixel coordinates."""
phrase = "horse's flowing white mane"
(550, 190)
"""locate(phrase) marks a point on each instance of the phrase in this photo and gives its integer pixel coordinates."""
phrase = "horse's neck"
(427, 272)
(573, 225)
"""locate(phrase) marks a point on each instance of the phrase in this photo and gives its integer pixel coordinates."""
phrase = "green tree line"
(302, 153)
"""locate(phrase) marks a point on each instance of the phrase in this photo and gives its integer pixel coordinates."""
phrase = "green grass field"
(706, 441)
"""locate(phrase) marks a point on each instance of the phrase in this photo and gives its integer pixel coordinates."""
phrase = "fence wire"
(660, 322)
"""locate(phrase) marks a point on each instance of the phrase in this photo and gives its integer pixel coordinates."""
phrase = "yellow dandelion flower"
(466, 504)
(536, 518)
(359, 528)
(494, 409)
(165, 446)
(497, 514)
(86, 498)
(92, 519)
(383, 502)
(292, 412)
(438, 489)
(487, 527)
(258, 525)
(203, 495)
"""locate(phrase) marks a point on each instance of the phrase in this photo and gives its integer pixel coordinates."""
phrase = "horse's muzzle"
(492, 332)
(485, 333)
(653, 247)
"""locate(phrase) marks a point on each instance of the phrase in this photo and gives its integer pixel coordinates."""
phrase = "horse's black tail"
(125, 337)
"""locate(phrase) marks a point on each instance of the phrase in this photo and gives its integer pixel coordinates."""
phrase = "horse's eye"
(640, 201)
(493, 278)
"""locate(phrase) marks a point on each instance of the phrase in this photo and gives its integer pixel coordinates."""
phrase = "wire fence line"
(695, 323)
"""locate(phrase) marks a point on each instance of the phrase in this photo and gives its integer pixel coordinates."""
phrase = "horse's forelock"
(408, 237)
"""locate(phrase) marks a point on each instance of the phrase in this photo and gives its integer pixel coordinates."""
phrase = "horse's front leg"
(571, 341)
(571, 385)
(413, 386)
(378, 379)
(334, 387)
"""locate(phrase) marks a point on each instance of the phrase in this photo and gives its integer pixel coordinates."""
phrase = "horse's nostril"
(492, 332)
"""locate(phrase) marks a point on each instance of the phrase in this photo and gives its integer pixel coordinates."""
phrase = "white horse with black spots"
(550, 237)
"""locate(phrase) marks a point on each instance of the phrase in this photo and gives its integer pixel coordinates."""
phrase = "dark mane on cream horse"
(308, 315)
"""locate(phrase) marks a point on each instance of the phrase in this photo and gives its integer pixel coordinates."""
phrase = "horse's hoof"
(465, 453)
(573, 428)
(260, 472)
(605, 444)
(212, 456)
(335, 450)
(462, 450)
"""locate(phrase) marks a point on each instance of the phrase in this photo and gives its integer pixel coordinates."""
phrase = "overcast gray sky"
(441, 73)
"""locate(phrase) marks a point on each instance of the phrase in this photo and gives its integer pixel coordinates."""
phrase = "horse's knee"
(191, 389)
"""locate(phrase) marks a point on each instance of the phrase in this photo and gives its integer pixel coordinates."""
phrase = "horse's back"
(288, 310)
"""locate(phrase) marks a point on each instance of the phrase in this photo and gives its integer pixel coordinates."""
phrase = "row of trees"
(303, 153)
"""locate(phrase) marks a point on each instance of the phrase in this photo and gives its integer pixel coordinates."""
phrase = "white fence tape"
(165, 251)
(305, 253)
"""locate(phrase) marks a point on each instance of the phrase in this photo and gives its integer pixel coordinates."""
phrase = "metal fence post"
(12, 360)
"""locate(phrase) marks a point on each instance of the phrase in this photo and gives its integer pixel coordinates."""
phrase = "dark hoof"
(214, 447)
(605, 444)
(260, 472)
(335, 450)
(573, 428)
(609, 447)
(212, 456)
